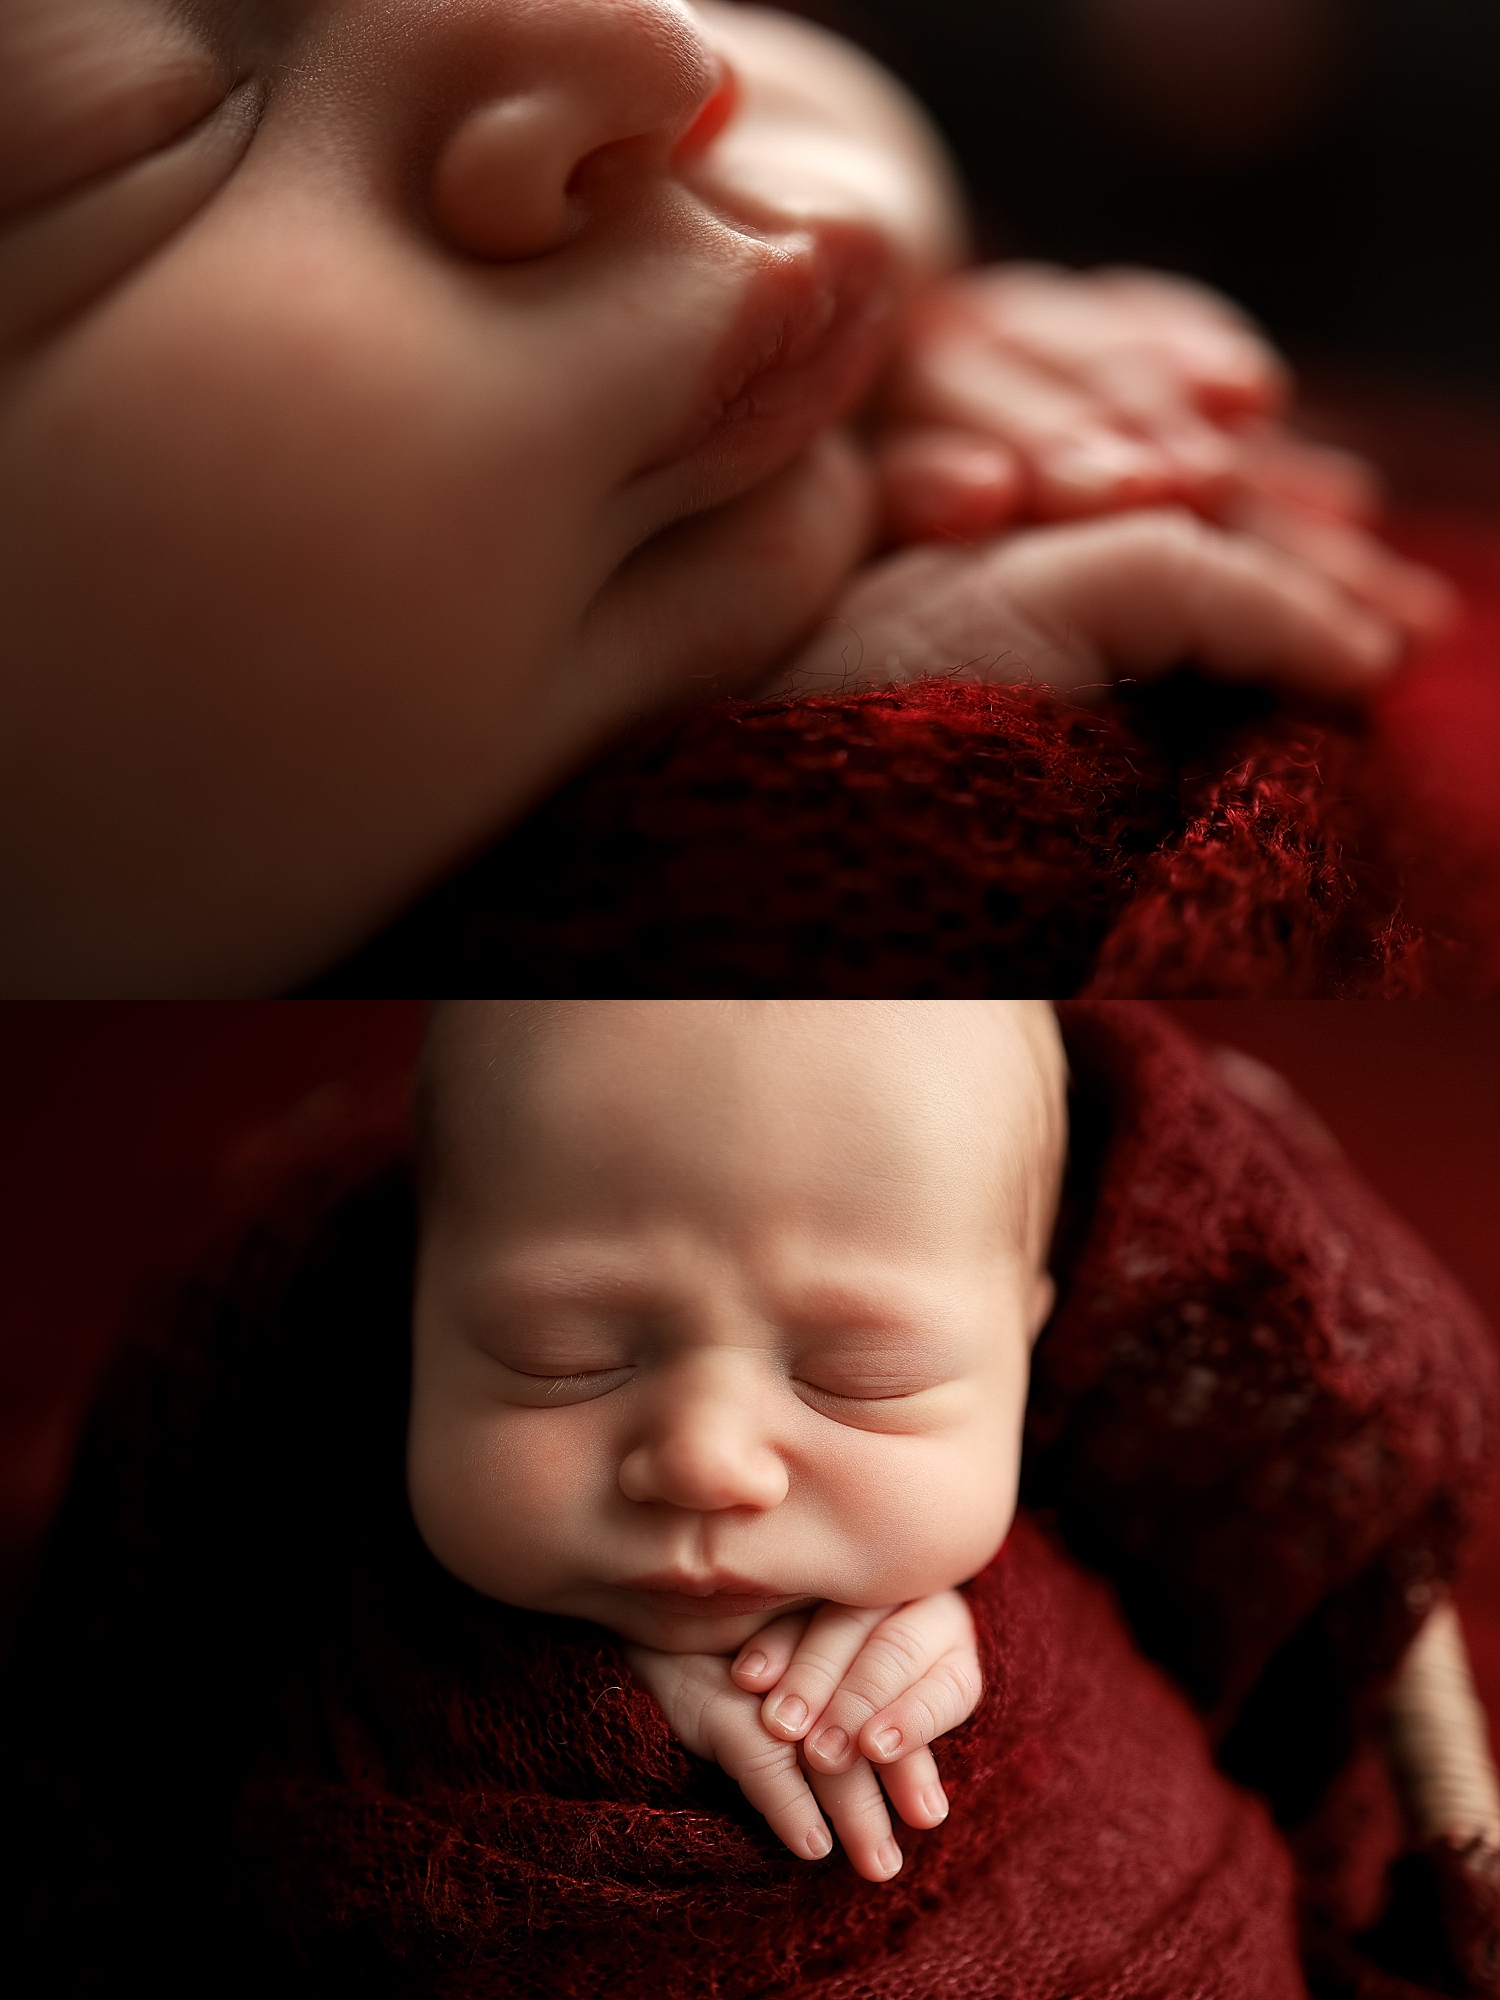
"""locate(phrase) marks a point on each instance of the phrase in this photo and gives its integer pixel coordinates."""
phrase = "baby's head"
(726, 1307)
(348, 350)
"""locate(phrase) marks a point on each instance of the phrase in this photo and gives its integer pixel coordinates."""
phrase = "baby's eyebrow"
(889, 1305)
(570, 1278)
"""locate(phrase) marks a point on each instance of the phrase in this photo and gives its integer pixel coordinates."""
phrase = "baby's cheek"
(923, 1514)
(495, 1494)
(969, 1512)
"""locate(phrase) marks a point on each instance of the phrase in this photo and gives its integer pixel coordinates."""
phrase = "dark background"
(1334, 165)
(129, 1136)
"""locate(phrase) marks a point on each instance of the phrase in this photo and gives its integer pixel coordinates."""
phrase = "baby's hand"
(1078, 606)
(876, 1686)
(1023, 388)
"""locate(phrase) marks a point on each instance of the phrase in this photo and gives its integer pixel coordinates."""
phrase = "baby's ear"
(1043, 1298)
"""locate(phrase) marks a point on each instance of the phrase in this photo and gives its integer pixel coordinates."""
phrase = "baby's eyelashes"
(545, 1388)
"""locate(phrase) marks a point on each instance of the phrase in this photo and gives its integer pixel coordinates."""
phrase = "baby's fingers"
(1077, 458)
(1421, 602)
(761, 1661)
(925, 1650)
(854, 1802)
(771, 1778)
(915, 1790)
(832, 1640)
(938, 1702)
(1152, 590)
(938, 482)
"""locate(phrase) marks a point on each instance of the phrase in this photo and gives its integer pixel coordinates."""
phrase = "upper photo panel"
(860, 498)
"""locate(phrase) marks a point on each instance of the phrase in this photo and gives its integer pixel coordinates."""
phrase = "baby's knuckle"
(871, 1686)
(768, 1759)
(962, 1680)
(812, 1665)
(899, 1646)
(921, 1720)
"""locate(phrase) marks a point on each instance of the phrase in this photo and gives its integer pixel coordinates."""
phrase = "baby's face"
(347, 348)
(726, 1308)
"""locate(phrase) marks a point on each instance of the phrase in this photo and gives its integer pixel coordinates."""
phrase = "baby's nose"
(582, 87)
(705, 1456)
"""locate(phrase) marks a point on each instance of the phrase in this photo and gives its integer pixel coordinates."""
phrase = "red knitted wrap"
(947, 838)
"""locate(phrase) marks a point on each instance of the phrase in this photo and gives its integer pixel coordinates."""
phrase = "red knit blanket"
(512, 1817)
(255, 1740)
(958, 839)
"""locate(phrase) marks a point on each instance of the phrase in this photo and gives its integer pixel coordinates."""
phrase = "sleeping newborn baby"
(722, 1334)
(398, 400)
(708, 1418)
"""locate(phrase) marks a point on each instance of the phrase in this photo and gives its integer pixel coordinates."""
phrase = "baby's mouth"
(709, 1597)
(804, 349)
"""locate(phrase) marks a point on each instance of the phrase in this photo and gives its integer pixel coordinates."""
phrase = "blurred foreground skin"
(398, 397)
(356, 355)
(722, 1337)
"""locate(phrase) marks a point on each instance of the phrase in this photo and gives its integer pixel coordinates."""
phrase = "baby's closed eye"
(118, 123)
(88, 87)
(57, 259)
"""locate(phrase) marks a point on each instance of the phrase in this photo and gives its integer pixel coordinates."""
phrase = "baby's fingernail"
(888, 1742)
(889, 1856)
(831, 1744)
(788, 1713)
(755, 1666)
(819, 1842)
(936, 1801)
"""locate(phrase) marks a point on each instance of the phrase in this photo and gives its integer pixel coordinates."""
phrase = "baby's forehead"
(900, 1089)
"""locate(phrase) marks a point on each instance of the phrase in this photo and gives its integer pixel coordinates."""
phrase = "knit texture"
(945, 838)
